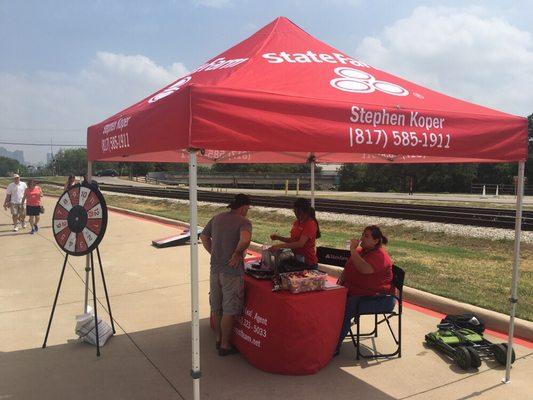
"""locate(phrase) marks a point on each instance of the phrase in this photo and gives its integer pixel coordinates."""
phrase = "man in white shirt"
(14, 196)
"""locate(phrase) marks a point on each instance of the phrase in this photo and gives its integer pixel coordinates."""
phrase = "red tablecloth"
(284, 333)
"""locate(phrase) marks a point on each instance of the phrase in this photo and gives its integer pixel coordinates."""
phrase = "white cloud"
(134, 66)
(464, 53)
(48, 99)
(214, 3)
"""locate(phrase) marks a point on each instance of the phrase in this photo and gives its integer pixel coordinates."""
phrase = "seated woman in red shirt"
(367, 272)
(304, 233)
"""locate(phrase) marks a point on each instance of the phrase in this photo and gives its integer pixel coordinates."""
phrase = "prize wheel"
(80, 220)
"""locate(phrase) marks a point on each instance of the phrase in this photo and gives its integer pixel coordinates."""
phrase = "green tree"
(496, 173)
(69, 162)
(353, 177)
(74, 162)
(455, 178)
(426, 177)
(10, 166)
(172, 167)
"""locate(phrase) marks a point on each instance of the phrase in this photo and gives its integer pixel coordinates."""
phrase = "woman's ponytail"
(312, 214)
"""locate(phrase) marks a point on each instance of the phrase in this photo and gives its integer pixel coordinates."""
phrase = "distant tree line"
(74, 161)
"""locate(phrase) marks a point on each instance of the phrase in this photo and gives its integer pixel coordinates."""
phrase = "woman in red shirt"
(367, 272)
(32, 196)
(304, 232)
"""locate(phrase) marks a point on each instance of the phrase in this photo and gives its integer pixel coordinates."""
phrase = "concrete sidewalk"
(150, 357)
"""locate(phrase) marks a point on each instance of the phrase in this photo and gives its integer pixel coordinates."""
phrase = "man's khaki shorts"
(227, 294)
(17, 210)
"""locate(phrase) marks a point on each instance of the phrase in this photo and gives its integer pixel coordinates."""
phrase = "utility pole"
(52, 161)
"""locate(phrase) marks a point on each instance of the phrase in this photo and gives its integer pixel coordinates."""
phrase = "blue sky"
(65, 65)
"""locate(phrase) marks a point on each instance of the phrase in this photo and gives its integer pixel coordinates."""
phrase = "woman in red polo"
(32, 197)
(304, 232)
(367, 272)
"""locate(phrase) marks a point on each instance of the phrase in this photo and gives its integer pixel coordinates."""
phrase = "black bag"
(41, 209)
(469, 321)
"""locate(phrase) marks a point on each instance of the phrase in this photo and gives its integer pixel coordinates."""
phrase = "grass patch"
(451, 251)
(471, 270)
(57, 179)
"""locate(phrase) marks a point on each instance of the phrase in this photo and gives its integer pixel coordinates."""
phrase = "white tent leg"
(516, 265)
(312, 183)
(195, 320)
(87, 257)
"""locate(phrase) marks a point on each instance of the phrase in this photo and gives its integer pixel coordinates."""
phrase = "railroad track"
(496, 218)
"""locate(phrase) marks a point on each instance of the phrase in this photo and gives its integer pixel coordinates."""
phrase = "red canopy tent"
(282, 96)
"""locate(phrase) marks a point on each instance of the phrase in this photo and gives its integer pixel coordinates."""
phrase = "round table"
(284, 333)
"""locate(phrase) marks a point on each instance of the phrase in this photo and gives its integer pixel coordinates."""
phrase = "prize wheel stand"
(79, 223)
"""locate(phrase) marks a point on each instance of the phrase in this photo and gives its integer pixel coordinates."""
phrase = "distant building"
(49, 158)
(16, 155)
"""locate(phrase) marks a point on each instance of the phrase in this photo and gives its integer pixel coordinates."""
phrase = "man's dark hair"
(240, 200)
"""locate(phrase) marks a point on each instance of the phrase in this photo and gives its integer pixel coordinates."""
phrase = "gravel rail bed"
(451, 229)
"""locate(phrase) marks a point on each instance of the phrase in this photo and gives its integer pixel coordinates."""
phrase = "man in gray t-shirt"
(226, 237)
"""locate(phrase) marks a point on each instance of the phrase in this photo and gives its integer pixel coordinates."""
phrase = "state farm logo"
(357, 81)
(169, 90)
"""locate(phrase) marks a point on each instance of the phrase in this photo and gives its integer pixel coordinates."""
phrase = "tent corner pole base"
(516, 267)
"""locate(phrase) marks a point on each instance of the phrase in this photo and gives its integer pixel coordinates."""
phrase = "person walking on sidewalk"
(226, 237)
(32, 196)
(71, 182)
(411, 185)
(14, 200)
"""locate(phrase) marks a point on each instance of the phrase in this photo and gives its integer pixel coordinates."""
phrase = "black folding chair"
(397, 280)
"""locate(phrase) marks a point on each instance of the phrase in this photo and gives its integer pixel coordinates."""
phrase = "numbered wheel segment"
(80, 220)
